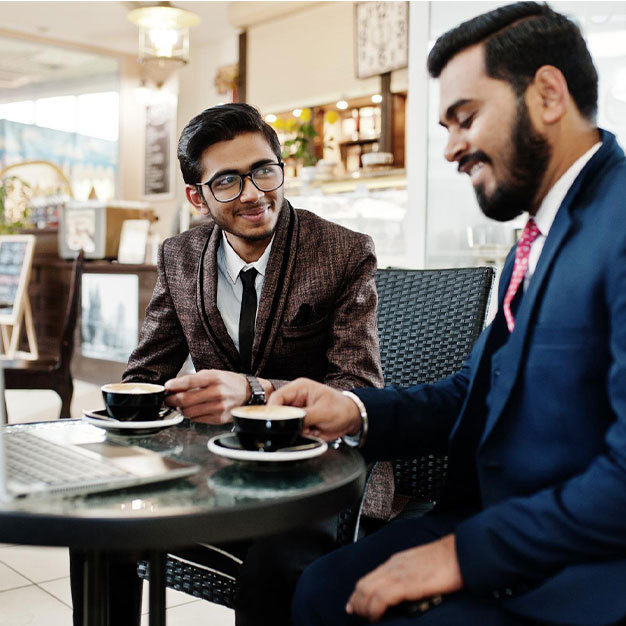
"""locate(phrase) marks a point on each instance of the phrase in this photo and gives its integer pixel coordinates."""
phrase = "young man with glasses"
(259, 295)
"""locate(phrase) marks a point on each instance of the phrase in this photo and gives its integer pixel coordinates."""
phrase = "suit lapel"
(526, 312)
(206, 294)
(275, 286)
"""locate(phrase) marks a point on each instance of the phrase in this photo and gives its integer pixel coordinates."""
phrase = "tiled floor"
(34, 581)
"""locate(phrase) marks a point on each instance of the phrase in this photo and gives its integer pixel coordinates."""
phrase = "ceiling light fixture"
(342, 105)
(163, 38)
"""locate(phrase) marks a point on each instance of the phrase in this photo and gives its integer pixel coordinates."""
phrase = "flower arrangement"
(15, 194)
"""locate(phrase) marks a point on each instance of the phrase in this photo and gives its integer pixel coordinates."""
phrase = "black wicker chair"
(428, 321)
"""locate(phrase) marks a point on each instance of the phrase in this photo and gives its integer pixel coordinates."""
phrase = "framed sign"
(159, 149)
(382, 37)
(109, 316)
(16, 259)
(133, 241)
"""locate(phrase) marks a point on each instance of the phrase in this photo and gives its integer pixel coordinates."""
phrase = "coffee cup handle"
(165, 411)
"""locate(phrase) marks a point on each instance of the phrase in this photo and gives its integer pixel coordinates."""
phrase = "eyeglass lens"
(265, 178)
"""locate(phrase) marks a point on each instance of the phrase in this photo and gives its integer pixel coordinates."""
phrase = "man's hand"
(329, 414)
(209, 395)
(414, 574)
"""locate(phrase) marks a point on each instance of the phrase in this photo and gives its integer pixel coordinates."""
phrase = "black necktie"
(247, 317)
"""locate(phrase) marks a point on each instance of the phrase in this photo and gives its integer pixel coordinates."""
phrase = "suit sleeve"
(580, 520)
(162, 348)
(405, 423)
(353, 352)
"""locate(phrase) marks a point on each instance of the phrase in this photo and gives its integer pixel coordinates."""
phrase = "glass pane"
(457, 233)
(22, 112)
(58, 113)
(98, 115)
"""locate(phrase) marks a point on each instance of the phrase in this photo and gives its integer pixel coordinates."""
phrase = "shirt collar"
(234, 263)
(549, 207)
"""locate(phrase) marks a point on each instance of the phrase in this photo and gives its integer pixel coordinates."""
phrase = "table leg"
(157, 589)
(96, 586)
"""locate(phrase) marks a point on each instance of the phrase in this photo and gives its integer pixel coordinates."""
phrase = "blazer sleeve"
(162, 347)
(405, 423)
(527, 539)
(353, 352)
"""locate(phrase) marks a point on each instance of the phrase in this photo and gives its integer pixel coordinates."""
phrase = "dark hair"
(519, 38)
(219, 123)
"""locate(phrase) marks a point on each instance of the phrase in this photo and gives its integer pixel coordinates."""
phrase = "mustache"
(479, 155)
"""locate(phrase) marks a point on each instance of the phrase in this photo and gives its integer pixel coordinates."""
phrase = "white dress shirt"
(548, 209)
(229, 286)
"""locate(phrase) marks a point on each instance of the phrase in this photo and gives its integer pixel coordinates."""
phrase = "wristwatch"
(257, 394)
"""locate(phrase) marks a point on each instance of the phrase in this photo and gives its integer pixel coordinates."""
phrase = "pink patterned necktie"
(529, 234)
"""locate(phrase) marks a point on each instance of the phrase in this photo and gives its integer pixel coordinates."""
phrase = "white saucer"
(234, 451)
(99, 418)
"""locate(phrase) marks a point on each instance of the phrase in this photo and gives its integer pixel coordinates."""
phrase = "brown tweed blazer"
(316, 317)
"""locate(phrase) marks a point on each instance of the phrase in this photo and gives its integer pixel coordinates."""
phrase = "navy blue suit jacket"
(535, 425)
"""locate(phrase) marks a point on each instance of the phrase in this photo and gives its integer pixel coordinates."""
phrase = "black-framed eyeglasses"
(228, 187)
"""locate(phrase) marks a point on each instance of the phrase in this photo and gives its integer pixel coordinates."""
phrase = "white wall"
(307, 59)
(196, 92)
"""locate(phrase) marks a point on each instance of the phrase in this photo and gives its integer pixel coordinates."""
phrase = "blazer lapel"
(275, 286)
(525, 313)
(206, 295)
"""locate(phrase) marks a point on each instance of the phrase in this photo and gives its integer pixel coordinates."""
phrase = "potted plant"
(301, 146)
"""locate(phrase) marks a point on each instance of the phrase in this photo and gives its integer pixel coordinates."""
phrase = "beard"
(527, 165)
(250, 234)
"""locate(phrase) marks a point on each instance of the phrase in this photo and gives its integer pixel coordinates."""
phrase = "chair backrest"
(428, 321)
(71, 311)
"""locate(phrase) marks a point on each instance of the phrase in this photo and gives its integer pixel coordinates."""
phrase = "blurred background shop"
(93, 96)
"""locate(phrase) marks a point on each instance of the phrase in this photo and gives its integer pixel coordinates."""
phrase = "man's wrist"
(257, 392)
(357, 439)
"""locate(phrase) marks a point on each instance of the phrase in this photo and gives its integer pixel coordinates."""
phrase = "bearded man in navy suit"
(531, 526)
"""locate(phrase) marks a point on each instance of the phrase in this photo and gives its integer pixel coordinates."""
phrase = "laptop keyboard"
(31, 459)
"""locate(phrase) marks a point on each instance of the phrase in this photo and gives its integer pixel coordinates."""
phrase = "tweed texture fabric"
(316, 316)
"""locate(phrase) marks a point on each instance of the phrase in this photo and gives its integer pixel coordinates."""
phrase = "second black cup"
(267, 428)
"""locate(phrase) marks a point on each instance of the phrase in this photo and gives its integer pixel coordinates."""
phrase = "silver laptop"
(66, 459)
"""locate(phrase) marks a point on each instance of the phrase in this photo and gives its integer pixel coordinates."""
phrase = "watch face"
(257, 399)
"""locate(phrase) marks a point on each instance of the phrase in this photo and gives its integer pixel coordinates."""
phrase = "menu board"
(159, 149)
(16, 256)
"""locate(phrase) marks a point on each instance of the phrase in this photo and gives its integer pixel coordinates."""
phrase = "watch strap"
(257, 393)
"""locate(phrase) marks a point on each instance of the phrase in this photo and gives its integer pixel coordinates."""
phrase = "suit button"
(496, 372)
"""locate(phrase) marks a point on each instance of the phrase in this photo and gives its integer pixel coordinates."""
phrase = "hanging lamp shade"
(163, 38)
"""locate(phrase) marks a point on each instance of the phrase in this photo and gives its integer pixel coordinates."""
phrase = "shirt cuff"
(357, 440)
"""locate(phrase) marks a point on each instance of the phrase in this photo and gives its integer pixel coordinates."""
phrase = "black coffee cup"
(140, 402)
(267, 428)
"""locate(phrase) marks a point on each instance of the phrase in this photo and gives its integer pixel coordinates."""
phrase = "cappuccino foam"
(264, 412)
(132, 388)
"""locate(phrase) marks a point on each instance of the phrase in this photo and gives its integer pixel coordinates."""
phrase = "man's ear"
(552, 96)
(195, 198)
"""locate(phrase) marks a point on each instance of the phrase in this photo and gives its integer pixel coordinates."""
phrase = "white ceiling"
(104, 25)
(28, 28)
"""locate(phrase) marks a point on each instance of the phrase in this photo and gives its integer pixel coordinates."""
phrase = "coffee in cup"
(267, 428)
(141, 402)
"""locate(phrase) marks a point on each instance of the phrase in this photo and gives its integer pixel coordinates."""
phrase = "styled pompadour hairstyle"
(219, 123)
(519, 38)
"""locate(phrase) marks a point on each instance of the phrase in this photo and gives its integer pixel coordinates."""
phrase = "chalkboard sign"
(16, 257)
